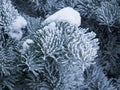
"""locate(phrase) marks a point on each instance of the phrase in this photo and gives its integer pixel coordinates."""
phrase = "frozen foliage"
(80, 44)
(72, 78)
(15, 28)
(40, 62)
(74, 48)
(7, 61)
(61, 51)
(51, 38)
(84, 48)
(67, 14)
(108, 13)
(13, 22)
(7, 12)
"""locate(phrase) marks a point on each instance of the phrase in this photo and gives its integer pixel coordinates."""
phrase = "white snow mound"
(16, 26)
(67, 14)
(19, 23)
(16, 34)
(26, 43)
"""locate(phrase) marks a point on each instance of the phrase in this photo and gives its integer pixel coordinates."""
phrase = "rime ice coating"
(83, 46)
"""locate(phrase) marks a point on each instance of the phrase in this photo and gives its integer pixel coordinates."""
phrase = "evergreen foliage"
(8, 62)
(35, 8)
(70, 39)
(61, 56)
(94, 79)
(7, 12)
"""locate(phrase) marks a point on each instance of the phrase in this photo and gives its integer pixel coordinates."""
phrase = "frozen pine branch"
(7, 12)
(73, 48)
(59, 53)
(108, 14)
(84, 47)
(13, 22)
